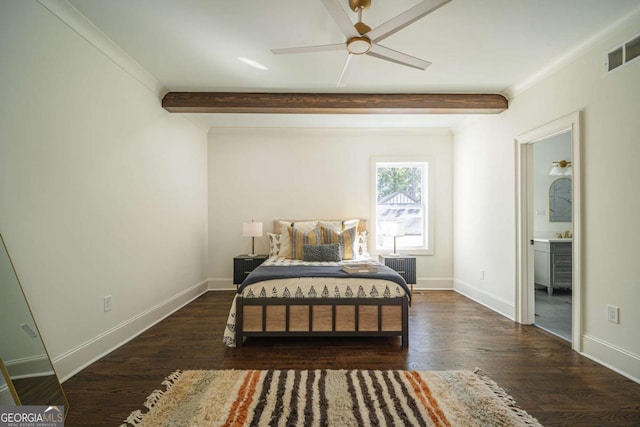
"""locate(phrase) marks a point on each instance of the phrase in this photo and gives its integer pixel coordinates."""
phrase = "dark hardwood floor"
(447, 331)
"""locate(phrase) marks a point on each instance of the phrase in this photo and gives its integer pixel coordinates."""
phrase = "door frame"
(525, 296)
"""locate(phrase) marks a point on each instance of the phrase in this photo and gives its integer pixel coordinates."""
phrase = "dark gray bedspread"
(270, 272)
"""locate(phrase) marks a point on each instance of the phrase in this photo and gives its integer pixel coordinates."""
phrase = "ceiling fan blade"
(406, 18)
(397, 57)
(349, 65)
(341, 18)
(305, 49)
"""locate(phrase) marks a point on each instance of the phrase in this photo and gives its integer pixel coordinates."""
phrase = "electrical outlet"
(613, 314)
(107, 303)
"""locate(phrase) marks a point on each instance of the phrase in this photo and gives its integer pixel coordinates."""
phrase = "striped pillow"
(345, 238)
(298, 239)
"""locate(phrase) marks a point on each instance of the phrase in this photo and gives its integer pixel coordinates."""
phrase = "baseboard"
(221, 284)
(499, 305)
(29, 367)
(78, 358)
(617, 359)
(435, 284)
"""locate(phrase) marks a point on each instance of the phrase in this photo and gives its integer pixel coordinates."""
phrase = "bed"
(289, 296)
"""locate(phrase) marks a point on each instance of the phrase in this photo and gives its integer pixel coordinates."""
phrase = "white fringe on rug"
(136, 417)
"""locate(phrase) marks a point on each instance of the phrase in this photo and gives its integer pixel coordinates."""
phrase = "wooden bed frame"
(322, 317)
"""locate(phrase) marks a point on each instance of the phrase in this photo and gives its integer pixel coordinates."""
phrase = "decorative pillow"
(333, 225)
(274, 244)
(298, 239)
(339, 225)
(285, 246)
(350, 223)
(330, 252)
(346, 239)
(362, 244)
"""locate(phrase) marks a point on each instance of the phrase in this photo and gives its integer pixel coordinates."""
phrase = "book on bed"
(364, 267)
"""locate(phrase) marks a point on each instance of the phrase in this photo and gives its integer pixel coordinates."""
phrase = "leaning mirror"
(28, 377)
(560, 200)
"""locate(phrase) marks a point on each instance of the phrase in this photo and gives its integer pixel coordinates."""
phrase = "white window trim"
(430, 205)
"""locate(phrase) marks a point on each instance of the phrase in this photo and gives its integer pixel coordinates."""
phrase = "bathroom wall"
(553, 149)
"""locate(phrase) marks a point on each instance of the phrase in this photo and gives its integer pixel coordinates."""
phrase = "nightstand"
(404, 265)
(245, 264)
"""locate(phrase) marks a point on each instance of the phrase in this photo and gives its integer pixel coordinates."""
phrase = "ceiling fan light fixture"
(362, 40)
(357, 5)
(358, 45)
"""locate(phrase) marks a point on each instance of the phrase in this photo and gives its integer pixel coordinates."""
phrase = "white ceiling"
(488, 46)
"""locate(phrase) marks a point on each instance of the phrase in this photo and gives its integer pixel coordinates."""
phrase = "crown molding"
(86, 29)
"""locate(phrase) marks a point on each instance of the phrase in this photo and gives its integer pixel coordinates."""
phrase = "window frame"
(429, 210)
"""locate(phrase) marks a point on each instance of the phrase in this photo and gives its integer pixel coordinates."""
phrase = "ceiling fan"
(362, 40)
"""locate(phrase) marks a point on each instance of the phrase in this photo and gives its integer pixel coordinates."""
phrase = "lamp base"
(394, 254)
(252, 255)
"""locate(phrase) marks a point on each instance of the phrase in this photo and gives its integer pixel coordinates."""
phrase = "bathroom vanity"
(553, 263)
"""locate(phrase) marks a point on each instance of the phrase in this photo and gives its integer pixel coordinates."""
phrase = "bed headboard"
(362, 225)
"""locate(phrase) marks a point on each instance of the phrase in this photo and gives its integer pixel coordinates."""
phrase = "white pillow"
(362, 245)
(274, 244)
(285, 244)
(350, 223)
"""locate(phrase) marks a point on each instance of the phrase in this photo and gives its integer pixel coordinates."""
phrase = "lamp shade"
(556, 170)
(393, 228)
(560, 168)
(252, 229)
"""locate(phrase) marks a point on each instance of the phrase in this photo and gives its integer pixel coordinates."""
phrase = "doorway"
(538, 236)
(552, 234)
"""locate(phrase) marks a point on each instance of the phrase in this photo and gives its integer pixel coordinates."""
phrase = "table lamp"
(252, 229)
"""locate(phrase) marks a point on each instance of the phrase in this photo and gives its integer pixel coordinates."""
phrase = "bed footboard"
(322, 317)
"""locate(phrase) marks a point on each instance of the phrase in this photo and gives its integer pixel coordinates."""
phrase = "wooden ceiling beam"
(334, 103)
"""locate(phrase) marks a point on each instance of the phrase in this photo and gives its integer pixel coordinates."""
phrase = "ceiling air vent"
(623, 54)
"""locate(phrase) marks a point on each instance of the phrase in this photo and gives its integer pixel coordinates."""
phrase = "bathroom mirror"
(560, 200)
(28, 377)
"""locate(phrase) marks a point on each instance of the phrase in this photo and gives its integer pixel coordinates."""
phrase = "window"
(402, 205)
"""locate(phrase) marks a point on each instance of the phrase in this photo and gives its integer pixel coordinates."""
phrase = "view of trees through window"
(401, 194)
(393, 180)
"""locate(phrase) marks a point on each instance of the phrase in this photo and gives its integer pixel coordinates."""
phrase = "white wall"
(484, 159)
(266, 174)
(483, 219)
(102, 192)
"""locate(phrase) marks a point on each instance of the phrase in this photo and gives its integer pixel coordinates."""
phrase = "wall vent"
(623, 54)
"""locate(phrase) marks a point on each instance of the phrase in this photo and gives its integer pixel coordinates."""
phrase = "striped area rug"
(329, 398)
